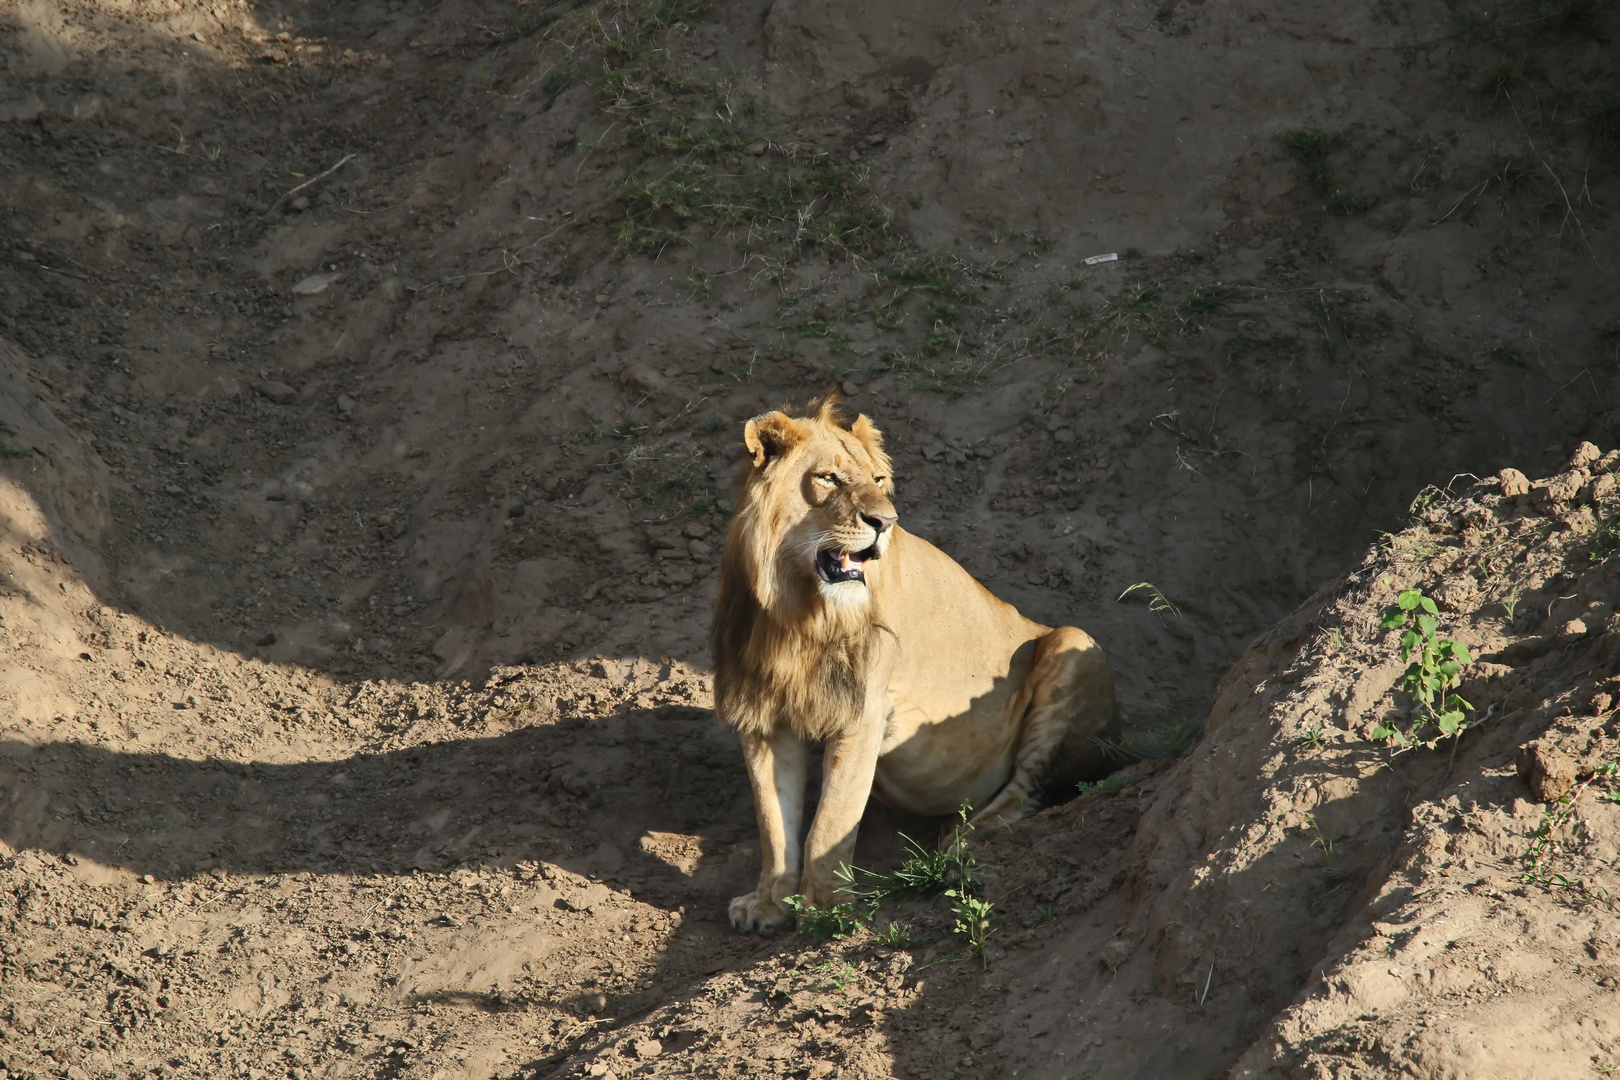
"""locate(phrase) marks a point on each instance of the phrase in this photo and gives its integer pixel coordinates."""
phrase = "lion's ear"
(772, 435)
(867, 434)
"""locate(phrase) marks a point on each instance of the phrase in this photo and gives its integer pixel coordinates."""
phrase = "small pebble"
(756, 149)
(301, 203)
(849, 388)
(345, 403)
(315, 284)
(278, 392)
(601, 298)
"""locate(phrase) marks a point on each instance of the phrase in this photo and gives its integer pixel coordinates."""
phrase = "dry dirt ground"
(371, 376)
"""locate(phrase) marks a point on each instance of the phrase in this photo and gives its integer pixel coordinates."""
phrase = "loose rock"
(278, 392)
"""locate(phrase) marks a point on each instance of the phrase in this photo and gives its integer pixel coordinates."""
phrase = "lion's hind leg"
(1070, 691)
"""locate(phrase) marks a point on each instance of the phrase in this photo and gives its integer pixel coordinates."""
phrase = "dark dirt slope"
(574, 249)
(352, 704)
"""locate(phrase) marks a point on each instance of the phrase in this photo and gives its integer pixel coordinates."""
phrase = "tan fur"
(927, 691)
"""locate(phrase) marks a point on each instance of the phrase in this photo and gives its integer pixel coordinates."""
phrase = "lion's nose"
(879, 522)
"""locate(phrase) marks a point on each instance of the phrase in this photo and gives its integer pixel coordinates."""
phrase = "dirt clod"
(1549, 772)
(1513, 482)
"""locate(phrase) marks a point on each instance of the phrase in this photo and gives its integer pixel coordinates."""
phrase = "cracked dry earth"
(357, 525)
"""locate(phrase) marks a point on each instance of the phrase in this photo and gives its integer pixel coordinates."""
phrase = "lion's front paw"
(758, 913)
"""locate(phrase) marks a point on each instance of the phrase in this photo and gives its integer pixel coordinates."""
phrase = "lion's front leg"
(778, 767)
(849, 762)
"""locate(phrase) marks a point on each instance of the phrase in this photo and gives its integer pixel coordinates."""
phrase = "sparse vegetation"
(949, 871)
(1320, 839)
(1606, 540)
(897, 935)
(1239, 347)
(1107, 783)
(1157, 602)
(825, 924)
(1164, 738)
(1208, 299)
(923, 872)
(1311, 149)
(6, 449)
(697, 151)
(1606, 778)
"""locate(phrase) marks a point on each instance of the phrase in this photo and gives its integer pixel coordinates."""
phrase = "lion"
(834, 624)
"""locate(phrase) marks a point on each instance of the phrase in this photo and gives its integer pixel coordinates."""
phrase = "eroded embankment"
(1293, 898)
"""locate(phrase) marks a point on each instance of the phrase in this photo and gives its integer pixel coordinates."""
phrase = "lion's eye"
(828, 478)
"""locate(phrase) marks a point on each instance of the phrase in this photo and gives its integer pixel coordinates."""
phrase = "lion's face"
(817, 511)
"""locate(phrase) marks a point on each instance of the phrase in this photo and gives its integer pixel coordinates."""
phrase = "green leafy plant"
(923, 872)
(1433, 671)
(972, 921)
(833, 923)
(950, 871)
(968, 904)
(1511, 606)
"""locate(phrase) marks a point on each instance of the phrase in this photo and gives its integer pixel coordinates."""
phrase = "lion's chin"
(844, 594)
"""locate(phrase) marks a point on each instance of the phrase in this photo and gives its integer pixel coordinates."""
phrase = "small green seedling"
(839, 975)
(1433, 671)
(1511, 606)
(1322, 840)
(1311, 740)
(898, 935)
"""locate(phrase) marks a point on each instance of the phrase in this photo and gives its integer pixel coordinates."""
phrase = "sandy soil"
(371, 378)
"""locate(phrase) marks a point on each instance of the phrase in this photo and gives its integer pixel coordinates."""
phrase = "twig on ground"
(317, 178)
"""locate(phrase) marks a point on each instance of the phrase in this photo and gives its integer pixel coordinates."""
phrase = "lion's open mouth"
(835, 566)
